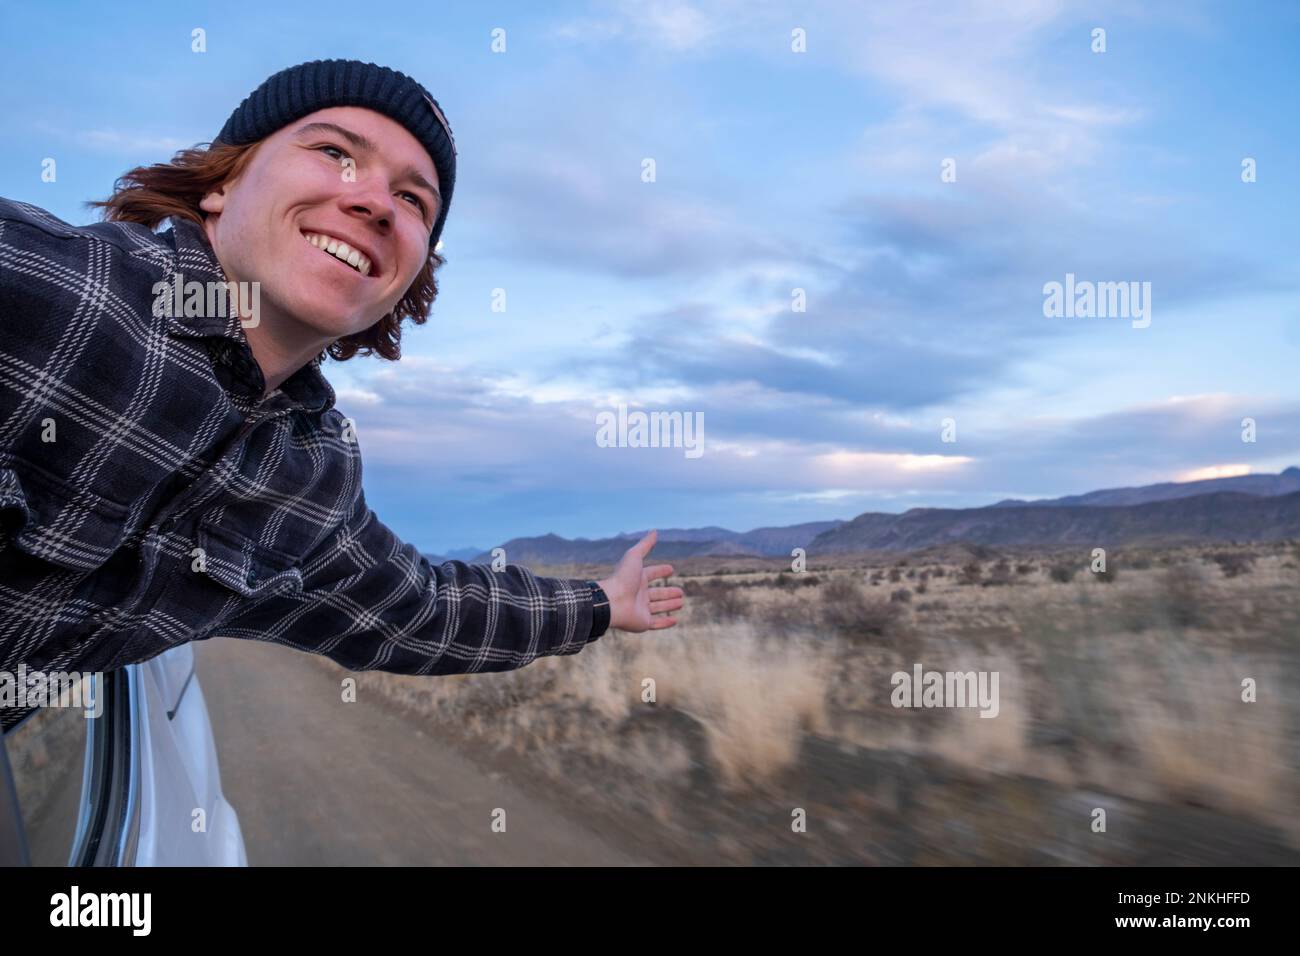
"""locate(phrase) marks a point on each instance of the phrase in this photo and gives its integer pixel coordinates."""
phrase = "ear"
(214, 201)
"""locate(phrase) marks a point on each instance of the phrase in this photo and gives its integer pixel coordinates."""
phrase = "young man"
(172, 467)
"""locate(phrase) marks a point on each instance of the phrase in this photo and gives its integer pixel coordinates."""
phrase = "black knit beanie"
(294, 92)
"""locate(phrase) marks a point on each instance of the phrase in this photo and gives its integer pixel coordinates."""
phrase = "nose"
(368, 198)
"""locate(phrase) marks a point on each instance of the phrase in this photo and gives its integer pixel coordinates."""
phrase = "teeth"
(340, 250)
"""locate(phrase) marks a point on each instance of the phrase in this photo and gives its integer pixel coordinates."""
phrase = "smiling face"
(344, 178)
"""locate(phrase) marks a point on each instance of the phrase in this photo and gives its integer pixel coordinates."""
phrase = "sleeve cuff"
(599, 610)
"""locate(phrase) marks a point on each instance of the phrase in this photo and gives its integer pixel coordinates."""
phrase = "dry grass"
(755, 695)
(1134, 688)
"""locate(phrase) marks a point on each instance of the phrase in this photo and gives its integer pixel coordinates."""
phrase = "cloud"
(670, 25)
(577, 204)
(758, 441)
(127, 141)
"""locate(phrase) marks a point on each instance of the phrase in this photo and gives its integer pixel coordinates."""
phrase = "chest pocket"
(47, 518)
(243, 566)
(48, 527)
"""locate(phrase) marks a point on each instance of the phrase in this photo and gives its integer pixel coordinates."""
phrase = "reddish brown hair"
(150, 194)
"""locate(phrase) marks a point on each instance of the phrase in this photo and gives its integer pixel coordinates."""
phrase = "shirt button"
(252, 577)
(167, 525)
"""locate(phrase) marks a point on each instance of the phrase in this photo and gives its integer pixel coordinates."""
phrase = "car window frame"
(108, 815)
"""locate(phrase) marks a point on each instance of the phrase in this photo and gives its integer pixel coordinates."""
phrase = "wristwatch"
(599, 610)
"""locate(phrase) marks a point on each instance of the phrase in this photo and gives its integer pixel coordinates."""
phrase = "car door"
(134, 784)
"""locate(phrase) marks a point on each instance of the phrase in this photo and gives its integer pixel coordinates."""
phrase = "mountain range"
(1260, 507)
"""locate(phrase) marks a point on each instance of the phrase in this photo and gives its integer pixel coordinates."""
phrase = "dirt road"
(317, 781)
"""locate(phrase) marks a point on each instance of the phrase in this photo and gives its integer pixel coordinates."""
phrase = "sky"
(921, 171)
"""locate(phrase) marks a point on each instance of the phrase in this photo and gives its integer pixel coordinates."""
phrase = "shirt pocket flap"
(47, 518)
(242, 565)
(14, 513)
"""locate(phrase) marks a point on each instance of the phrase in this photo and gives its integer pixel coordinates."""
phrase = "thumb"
(642, 547)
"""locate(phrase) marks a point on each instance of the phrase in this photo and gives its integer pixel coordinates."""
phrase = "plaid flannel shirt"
(149, 496)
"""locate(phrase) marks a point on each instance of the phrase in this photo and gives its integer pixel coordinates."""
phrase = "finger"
(643, 546)
(660, 592)
(661, 622)
(671, 604)
(656, 571)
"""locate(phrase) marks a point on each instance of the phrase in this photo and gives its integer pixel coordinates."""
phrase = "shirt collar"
(306, 388)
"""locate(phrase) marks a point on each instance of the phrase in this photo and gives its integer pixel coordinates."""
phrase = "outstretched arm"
(370, 601)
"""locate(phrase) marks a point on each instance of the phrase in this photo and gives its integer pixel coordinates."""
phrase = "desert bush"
(901, 596)
(1234, 563)
(999, 574)
(939, 572)
(793, 579)
(970, 573)
(1024, 569)
(895, 575)
(922, 587)
(938, 605)
(716, 600)
(848, 611)
(1062, 573)
(1183, 587)
(1108, 576)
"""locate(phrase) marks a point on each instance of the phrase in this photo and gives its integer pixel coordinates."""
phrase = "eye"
(333, 147)
(423, 207)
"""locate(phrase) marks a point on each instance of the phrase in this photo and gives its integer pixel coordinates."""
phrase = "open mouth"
(340, 251)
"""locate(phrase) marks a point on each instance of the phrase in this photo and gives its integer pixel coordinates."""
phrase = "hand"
(632, 602)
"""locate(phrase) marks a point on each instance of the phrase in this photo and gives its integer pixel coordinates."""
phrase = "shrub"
(1063, 573)
(1184, 586)
(716, 600)
(901, 596)
(1024, 569)
(999, 574)
(970, 573)
(848, 611)
(1107, 576)
(1234, 563)
(895, 575)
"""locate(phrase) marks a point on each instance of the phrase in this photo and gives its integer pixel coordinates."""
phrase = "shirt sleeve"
(370, 601)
